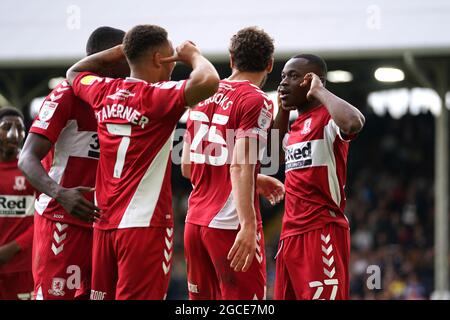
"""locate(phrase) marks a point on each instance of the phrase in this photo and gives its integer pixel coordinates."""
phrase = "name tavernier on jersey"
(117, 110)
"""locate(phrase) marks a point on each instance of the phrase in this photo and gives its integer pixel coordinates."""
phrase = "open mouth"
(11, 145)
(283, 94)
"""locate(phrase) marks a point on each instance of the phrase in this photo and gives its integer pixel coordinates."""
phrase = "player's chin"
(287, 106)
(286, 102)
(10, 149)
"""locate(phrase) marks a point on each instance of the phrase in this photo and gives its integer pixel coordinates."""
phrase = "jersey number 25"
(211, 136)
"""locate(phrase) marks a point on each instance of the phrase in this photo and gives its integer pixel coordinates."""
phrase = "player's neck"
(7, 157)
(144, 74)
(255, 78)
(308, 106)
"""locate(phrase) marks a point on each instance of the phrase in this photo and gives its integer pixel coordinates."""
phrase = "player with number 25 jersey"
(226, 134)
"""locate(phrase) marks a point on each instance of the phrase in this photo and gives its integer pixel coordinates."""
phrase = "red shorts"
(208, 269)
(16, 286)
(61, 260)
(314, 265)
(131, 264)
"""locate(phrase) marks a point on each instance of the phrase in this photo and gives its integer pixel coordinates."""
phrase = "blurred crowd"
(389, 206)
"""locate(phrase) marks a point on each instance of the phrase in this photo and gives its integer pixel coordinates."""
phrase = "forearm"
(185, 161)
(203, 80)
(98, 63)
(243, 186)
(35, 173)
(282, 125)
(348, 118)
(25, 240)
(202, 68)
(261, 180)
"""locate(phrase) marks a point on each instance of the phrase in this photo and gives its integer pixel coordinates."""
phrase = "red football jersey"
(136, 121)
(238, 109)
(316, 159)
(69, 123)
(16, 215)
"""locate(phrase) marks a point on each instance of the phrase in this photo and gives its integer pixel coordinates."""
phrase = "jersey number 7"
(123, 130)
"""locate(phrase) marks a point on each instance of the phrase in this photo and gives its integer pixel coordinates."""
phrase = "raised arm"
(349, 119)
(109, 62)
(281, 124)
(203, 81)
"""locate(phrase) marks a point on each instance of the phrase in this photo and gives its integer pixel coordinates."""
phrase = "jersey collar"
(131, 79)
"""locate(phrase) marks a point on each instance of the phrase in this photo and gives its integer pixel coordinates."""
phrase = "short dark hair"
(252, 49)
(10, 111)
(103, 38)
(141, 38)
(314, 60)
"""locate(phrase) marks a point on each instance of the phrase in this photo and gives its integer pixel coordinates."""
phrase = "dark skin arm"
(349, 119)
(281, 124)
(8, 251)
(71, 199)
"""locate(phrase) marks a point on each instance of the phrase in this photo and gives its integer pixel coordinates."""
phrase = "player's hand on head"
(243, 250)
(73, 201)
(183, 53)
(312, 81)
(271, 188)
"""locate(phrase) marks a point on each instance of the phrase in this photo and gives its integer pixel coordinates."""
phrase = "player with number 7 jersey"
(60, 159)
(136, 117)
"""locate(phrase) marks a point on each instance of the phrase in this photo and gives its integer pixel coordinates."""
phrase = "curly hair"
(141, 38)
(252, 49)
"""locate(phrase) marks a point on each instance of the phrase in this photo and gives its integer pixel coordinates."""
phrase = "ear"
(157, 59)
(231, 61)
(270, 65)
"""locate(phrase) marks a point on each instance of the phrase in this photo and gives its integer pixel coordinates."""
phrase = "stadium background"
(391, 189)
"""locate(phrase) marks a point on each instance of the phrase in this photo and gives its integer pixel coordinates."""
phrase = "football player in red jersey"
(133, 239)
(64, 136)
(224, 243)
(16, 212)
(314, 249)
